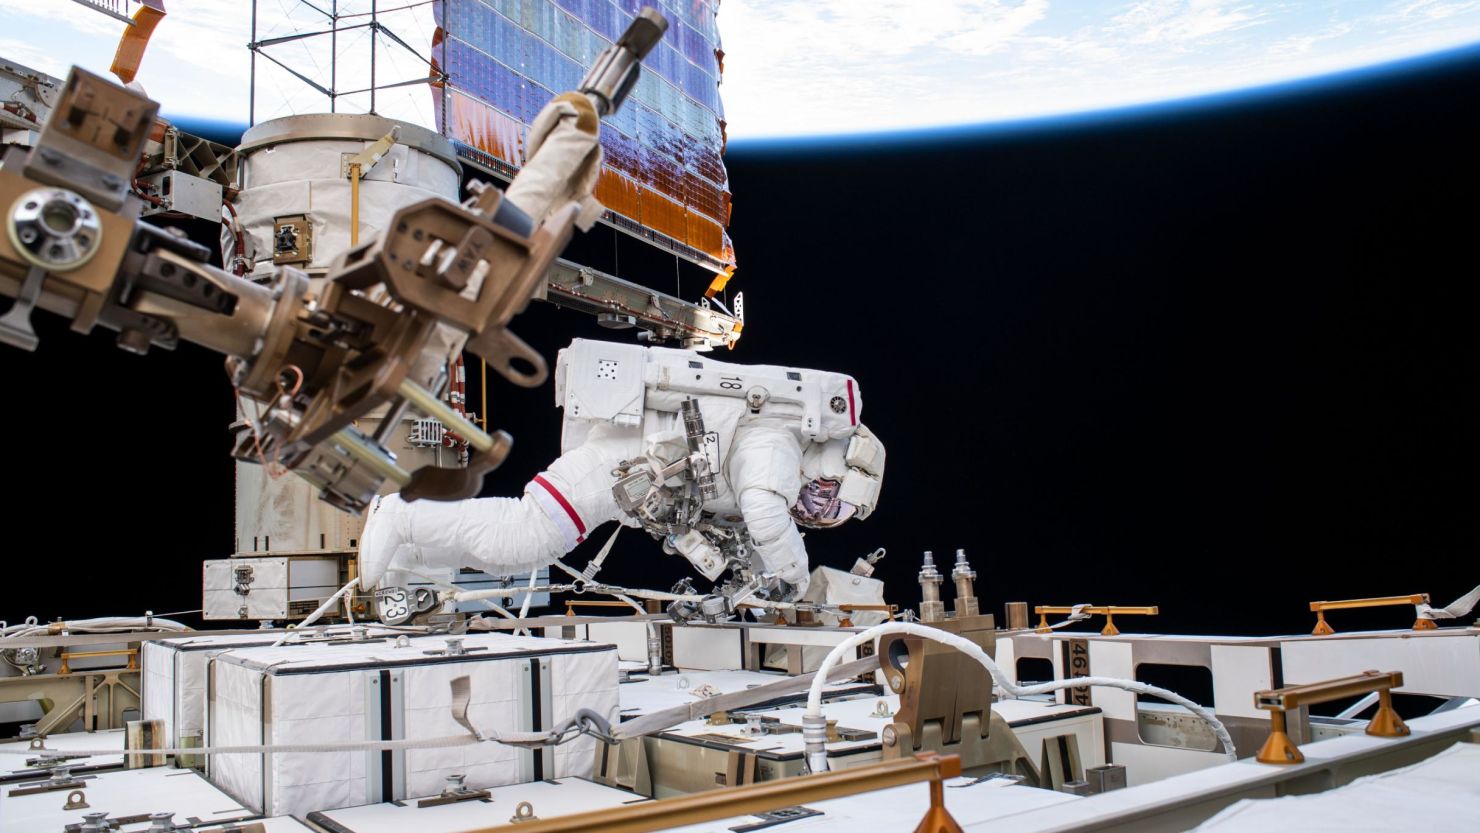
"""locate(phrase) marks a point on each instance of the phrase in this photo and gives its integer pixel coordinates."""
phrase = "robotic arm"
(317, 359)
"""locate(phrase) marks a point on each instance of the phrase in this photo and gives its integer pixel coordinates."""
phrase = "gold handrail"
(847, 621)
(1324, 629)
(758, 798)
(1108, 611)
(1279, 749)
(68, 656)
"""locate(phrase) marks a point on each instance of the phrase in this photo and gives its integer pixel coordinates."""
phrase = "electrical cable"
(814, 726)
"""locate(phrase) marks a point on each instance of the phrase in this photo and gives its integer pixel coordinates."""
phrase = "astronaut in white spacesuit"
(718, 461)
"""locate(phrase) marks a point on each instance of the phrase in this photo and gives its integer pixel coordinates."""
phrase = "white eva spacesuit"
(763, 449)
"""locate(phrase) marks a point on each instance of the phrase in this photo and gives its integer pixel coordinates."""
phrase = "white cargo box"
(174, 672)
(268, 587)
(321, 693)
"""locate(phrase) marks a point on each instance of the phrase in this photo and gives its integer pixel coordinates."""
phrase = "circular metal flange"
(54, 228)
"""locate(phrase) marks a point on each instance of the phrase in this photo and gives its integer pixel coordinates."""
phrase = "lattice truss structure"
(345, 56)
(480, 70)
(664, 177)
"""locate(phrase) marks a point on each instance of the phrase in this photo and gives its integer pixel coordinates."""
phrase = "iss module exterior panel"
(326, 693)
(1442, 662)
(663, 168)
(295, 166)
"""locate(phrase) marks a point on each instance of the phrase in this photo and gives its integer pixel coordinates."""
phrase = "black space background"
(1219, 360)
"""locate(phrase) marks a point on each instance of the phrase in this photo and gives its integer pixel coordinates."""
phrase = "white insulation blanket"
(174, 679)
(335, 693)
(1441, 793)
(175, 670)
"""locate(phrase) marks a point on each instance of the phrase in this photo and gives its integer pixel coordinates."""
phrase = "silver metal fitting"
(932, 609)
(965, 579)
(655, 655)
(714, 608)
(814, 741)
(54, 228)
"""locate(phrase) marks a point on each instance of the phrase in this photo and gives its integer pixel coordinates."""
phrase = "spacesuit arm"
(500, 536)
(765, 472)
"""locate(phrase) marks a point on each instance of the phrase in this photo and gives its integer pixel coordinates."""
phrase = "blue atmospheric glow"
(1353, 80)
(1407, 70)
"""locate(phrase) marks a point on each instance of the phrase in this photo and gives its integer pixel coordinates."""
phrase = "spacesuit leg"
(500, 536)
(765, 472)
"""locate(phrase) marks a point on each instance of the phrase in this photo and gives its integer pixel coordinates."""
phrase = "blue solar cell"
(516, 54)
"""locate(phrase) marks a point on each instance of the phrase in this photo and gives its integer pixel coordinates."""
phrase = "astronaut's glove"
(788, 592)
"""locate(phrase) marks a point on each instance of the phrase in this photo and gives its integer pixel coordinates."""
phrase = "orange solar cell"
(487, 129)
(664, 215)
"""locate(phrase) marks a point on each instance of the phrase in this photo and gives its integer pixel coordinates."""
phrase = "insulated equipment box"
(268, 587)
(174, 672)
(398, 689)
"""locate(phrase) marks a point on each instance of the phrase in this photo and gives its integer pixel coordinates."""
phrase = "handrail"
(1323, 628)
(1386, 723)
(1108, 611)
(757, 798)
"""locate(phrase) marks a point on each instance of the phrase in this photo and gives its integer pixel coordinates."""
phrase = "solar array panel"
(663, 170)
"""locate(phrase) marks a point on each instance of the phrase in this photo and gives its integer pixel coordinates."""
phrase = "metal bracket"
(15, 325)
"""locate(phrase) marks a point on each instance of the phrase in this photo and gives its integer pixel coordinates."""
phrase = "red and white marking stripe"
(559, 509)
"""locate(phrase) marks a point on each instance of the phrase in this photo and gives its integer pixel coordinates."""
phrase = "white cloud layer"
(804, 67)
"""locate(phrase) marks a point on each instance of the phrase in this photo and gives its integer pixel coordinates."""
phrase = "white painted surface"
(708, 649)
(629, 637)
(1445, 662)
(1112, 659)
(1006, 657)
(548, 799)
(1238, 672)
(900, 808)
(128, 792)
(1244, 774)
(1146, 764)
(652, 694)
(108, 739)
(800, 636)
(1441, 793)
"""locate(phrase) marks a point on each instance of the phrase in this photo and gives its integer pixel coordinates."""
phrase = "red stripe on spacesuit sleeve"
(852, 413)
(564, 504)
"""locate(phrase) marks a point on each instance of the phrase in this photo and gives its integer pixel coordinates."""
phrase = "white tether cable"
(814, 727)
(319, 611)
(1458, 609)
